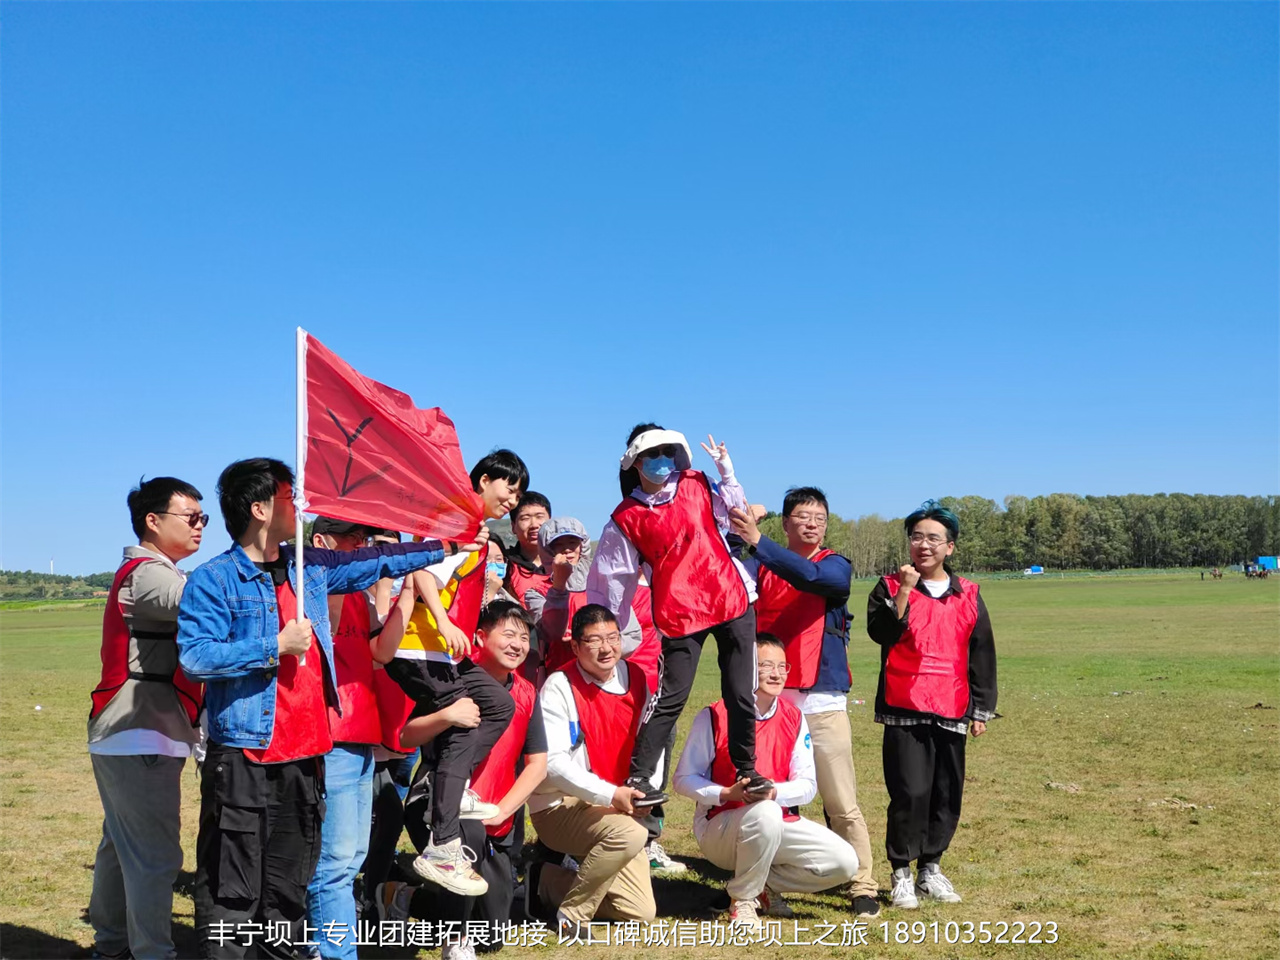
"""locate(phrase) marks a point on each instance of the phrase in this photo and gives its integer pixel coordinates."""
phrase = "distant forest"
(1063, 531)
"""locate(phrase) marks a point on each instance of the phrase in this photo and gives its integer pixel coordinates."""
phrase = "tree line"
(1065, 531)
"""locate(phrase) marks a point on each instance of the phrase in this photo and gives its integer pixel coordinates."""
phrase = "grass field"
(1128, 793)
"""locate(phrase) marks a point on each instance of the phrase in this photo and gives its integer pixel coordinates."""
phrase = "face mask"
(498, 569)
(657, 469)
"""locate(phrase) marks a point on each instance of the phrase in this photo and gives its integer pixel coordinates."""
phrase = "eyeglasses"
(768, 667)
(193, 519)
(931, 539)
(817, 519)
(595, 643)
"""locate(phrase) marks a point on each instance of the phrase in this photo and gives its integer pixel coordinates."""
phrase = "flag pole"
(300, 467)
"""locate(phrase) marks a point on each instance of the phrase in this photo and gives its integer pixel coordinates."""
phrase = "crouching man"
(761, 836)
(592, 709)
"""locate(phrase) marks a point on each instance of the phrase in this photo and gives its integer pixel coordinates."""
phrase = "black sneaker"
(864, 906)
(652, 795)
(758, 783)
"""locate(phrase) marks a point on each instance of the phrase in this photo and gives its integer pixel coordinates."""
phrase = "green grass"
(1140, 692)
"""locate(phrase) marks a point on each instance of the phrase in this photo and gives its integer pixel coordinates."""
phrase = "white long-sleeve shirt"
(693, 772)
(568, 771)
(615, 571)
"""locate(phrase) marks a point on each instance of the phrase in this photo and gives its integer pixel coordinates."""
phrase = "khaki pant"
(838, 787)
(612, 882)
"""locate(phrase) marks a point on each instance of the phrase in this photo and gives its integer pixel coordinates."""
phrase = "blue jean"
(344, 841)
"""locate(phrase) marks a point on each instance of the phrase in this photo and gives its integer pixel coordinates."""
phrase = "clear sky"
(895, 250)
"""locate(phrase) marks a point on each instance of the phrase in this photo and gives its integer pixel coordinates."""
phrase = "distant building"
(1267, 563)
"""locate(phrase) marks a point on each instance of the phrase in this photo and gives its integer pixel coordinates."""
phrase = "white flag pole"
(300, 485)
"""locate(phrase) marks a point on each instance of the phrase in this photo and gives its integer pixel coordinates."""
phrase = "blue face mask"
(657, 469)
(498, 569)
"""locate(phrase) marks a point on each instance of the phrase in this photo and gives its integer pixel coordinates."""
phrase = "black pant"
(257, 848)
(736, 652)
(924, 774)
(493, 862)
(390, 784)
(457, 750)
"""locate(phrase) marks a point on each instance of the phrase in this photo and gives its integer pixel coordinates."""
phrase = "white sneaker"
(661, 862)
(742, 913)
(391, 899)
(933, 884)
(458, 951)
(473, 808)
(450, 867)
(772, 905)
(904, 890)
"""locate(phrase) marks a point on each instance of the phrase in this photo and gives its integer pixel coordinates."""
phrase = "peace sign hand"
(716, 451)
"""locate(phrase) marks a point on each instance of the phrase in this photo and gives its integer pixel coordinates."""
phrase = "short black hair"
(154, 496)
(629, 478)
(501, 465)
(933, 510)
(769, 640)
(245, 483)
(590, 615)
(500, 611)
(531, 498)
(799, 496)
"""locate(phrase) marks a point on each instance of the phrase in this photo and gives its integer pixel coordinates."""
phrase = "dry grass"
(1139, 693)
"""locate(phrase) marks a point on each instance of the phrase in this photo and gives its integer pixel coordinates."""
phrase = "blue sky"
(896, 250)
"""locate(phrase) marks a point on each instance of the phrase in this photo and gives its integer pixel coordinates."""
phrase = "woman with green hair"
(937, 683)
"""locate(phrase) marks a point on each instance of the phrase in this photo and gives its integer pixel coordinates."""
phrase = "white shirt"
(821, 702)
(615, 571)
(936, 588)
(568, 772)
(693, 772)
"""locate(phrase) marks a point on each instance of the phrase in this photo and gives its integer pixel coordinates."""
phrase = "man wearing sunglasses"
(142, 726)
(760, 835)
(803, 600)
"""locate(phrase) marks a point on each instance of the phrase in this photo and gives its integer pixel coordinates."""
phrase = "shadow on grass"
(16, 941)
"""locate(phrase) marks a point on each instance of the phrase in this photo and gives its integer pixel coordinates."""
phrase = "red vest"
(695, 583)
(645, 656)
(353, 663)
(797, 618)
(300, 727)
(496, 773)
(775, 742)
(115, 656)
(558, 653)
(394, 709)
(468, 601)
(927, 670)
(520, 581)
(608, 722)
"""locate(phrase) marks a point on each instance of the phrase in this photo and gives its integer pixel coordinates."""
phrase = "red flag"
(375, 458)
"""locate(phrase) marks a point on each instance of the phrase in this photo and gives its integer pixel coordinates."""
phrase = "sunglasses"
(193, 519)
(666, 450)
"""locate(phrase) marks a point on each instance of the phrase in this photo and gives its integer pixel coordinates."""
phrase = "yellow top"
(421, 634)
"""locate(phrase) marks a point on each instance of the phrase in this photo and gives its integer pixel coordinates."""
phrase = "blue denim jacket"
(228, 625)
